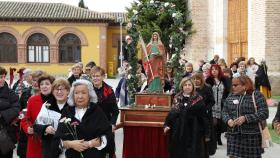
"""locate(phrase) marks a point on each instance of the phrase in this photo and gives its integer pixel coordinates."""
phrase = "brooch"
(235, 101)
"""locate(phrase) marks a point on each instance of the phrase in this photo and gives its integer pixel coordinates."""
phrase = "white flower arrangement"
(166, 4)
(67, 120)
(129, 76)
(152, 1)
(72, 129)
(135, 11)
(62, 120)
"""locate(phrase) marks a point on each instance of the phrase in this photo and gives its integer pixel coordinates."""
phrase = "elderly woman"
(244, 138)
(9, 109)
(206, 70)
(242, 69)
(57, 102)
(92, 134)
(252, 68)
(106, 96)
(188, 123)
(77, 71)
(35, 131)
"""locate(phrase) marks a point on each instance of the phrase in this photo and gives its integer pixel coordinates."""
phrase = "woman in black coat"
(206, 92)
(45, 131)
(60, 91)
(188, 124)
(106, 96)
(262, 82)
(84, 130)
(9, 110)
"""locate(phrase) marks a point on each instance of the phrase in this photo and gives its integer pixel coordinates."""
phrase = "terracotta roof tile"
(50, 11)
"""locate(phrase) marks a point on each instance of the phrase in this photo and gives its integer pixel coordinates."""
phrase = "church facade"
(234, 28)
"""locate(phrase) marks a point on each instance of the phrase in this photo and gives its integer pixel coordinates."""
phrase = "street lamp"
(121, 57)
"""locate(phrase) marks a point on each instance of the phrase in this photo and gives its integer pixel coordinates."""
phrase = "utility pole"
(121, 57)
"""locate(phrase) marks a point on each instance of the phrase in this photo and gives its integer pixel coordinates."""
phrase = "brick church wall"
(197, 46)
(272, 43)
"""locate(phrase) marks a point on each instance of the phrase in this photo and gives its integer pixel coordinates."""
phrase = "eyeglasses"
(61, 90)
(96, 76)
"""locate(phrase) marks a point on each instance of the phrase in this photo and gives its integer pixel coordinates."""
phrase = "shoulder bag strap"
(255, 106)
(254, 101)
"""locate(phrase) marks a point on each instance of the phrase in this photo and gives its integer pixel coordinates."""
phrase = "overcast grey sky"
(96, 5)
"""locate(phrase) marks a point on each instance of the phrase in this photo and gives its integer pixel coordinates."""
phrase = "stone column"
(22, 53)
(54, 56)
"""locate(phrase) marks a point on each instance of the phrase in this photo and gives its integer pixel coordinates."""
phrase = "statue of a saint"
(154, 65)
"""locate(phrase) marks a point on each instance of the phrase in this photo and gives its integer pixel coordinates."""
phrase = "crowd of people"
(50, 117)
(76, 117)
(227, 104)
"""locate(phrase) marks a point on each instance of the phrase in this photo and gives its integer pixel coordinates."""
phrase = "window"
(69, 49)
(8, 48)
(38, 48)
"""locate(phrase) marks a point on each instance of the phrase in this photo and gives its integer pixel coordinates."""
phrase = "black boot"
(219, 140)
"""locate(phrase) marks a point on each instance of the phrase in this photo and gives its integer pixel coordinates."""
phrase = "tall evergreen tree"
(82, 4)
(170, 18)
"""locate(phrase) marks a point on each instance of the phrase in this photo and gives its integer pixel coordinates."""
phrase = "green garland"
(167, 17)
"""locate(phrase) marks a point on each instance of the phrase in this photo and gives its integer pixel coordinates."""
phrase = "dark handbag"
(6, 143)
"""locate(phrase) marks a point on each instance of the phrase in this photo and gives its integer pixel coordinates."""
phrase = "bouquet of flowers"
(47, 116)
(72, 129)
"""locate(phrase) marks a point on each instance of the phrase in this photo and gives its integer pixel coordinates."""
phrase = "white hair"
(206, 66)
(26, 73)
(92, 95)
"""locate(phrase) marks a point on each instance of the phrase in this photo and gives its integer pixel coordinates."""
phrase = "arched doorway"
(8, 48)
(69, 49)
(38, 48)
